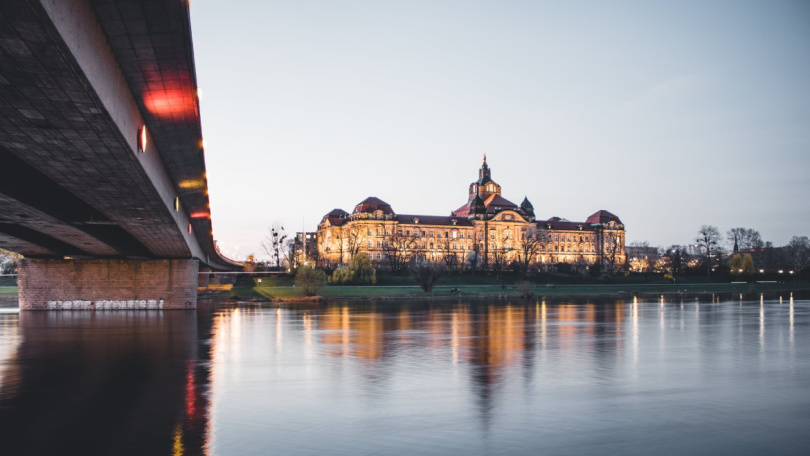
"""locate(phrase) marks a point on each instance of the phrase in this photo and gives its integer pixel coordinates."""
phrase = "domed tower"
(527, 209)
(484, 187)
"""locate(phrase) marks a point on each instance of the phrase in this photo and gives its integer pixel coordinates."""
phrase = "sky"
(671, 115)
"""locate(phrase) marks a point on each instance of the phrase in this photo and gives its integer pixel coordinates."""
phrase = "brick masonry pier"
(49, 284)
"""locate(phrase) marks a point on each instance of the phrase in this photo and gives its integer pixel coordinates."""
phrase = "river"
(708, 375)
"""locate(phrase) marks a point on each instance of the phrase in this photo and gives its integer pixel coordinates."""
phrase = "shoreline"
(570, 292)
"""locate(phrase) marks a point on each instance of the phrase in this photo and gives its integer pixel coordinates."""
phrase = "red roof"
(497, 202)
(371, 204)
(602, 216)
(336, 217)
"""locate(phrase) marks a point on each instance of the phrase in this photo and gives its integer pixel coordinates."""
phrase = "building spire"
(484, 172)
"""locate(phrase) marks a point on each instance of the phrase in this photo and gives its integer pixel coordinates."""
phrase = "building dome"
(371, 205)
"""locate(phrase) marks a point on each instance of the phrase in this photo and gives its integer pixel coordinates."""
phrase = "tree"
(735, 264)
(274, 242)
(743, 239)
(355, 237)
(364, 274)
(425, 272)
(748, 264)
(798, 253)
(675, 259)
(611, 250)
(292, 253)
(8, 262)
(447, 254)
(708, 240)
(310, 279)
(398, 248)
(528, 248)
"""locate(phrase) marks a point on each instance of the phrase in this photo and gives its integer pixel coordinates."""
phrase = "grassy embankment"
(8, 291)
(281, 288)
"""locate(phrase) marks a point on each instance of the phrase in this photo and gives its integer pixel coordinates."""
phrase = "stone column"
(52, 284)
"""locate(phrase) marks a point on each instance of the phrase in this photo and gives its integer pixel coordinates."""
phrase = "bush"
(359, 272)
(310, 279)
(341, 276)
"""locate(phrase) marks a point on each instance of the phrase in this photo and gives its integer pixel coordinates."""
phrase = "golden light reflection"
(192, 184)
(177, 445)
(307, 321)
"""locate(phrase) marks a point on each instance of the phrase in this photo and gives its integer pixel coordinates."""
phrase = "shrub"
(341, 276)
(310, 279)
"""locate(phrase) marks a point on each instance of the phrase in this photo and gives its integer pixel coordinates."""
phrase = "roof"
(602, 216)
(557, 223)
(371, 204)
(497, 201)
(443, 220)
(336, 217)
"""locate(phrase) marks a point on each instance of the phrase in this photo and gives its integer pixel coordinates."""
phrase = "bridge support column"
(50, 284)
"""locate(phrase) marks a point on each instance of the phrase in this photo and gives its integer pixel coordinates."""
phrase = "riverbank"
(290, 294)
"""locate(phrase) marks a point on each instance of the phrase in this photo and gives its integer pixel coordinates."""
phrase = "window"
(455, 234)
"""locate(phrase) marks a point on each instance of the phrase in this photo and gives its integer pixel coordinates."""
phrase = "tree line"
(741, 251)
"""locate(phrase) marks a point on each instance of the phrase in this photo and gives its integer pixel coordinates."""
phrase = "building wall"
(485, 237)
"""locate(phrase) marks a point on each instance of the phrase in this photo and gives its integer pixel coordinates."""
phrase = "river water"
(714, 375)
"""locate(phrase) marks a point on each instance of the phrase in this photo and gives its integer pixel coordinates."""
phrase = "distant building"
(488, 231)
(309, 241)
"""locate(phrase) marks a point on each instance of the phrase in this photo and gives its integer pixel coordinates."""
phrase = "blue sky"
(669, 114)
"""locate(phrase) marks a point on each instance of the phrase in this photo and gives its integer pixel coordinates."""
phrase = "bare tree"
(273, 244)
(425, 272)
(798, 253)
(398, 248)
(708, 241)
(355, 238)
(743, 239)
(611, 251)
(528, 248)
(448, 255)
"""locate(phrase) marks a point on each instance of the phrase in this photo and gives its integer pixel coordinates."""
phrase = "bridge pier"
(102, 284)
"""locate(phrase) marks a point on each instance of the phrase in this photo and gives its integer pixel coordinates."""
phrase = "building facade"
(488, 232)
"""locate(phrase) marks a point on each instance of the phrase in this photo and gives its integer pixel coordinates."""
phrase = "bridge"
(102, 169)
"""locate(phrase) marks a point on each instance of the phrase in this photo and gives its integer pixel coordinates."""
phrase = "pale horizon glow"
(670, 115)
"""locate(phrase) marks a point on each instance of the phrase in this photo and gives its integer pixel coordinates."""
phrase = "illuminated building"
(488, 231)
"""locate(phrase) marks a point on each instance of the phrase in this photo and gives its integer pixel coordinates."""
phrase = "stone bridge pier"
(107, 284)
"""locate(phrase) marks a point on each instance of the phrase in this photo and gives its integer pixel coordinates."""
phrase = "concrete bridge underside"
(79, 80)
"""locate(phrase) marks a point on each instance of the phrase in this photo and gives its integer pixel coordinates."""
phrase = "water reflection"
(104, 383)
(474, 377)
